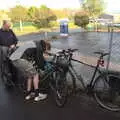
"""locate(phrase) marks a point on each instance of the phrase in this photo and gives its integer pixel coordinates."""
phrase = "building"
(105, 18)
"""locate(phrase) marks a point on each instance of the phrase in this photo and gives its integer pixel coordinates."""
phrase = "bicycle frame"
(53, 69)
(79, 77)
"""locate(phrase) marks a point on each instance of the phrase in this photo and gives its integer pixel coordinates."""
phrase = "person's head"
(6, 24)
(44, 44)
(47, 45)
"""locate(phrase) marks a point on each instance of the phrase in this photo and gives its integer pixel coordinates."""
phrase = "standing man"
(7, 36)
(8, 40)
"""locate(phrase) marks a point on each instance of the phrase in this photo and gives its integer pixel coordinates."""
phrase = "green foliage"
(31, 13)
(18, 13)
(41, 16)
(3, 16)
(25, 24)
(93, 7)
(81, 19)
(54, 24)
(64, 13)
(72, 25)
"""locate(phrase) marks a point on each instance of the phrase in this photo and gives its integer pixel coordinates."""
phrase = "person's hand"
(12, 46)
(45, 56)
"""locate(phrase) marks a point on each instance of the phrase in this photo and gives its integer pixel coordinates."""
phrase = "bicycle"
(105, 88)
(54, 76)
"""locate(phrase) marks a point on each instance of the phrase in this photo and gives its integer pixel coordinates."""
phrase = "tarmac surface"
(78, 107)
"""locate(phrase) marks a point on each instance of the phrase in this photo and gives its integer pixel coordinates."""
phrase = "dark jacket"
(36, 54)
(7, 38)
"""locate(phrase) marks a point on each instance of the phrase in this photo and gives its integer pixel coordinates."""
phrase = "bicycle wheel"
(107, 91)
(60, 88)
(71, 82)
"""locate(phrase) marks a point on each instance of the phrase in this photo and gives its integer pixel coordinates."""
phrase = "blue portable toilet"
(64, 27)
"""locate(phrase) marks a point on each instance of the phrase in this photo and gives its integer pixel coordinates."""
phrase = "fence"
(114, 48)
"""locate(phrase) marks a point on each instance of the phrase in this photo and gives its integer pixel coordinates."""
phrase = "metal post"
(46, 36)
(110, 49)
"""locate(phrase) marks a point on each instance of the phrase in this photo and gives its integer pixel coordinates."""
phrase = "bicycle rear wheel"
(61, 90)
(107, 91)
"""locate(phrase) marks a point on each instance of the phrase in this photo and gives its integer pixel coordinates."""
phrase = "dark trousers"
(3, 57)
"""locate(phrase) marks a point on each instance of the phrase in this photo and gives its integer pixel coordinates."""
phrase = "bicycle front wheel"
(61, 90)
(107, 91)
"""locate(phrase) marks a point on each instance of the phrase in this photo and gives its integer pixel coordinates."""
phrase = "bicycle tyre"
(61, 90)
(104, 93)
(71, 82)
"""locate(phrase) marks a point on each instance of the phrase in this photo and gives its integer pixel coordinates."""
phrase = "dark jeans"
(3, 56)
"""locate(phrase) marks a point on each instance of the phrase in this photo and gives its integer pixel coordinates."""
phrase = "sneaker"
(40, 97)
(29, 95)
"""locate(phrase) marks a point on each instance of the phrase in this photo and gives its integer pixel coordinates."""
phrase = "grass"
(72, 25)
(32, 29)
(26, 30)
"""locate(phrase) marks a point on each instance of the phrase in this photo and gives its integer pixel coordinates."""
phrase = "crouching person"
(32, 76)
(20, 60)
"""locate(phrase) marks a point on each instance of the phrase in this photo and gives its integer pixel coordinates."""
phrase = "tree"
(62, 13)
(93, 7)
(81, 19)
(31, 13)
(18, 14)
(3, 16)
(41, 16)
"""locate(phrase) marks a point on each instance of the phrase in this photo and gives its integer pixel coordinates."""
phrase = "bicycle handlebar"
(102, 54)
(62, 52)
(70, 51)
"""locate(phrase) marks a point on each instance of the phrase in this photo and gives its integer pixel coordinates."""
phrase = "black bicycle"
(105, 87)
(55, 77)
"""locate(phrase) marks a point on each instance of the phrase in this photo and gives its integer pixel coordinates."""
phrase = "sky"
(111, 5)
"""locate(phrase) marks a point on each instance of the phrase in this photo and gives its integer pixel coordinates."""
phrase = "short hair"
(48, 45)
(44, 44)
(5, 22)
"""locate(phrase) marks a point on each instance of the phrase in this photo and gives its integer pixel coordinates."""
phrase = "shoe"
(40, 97)
(29, 95)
